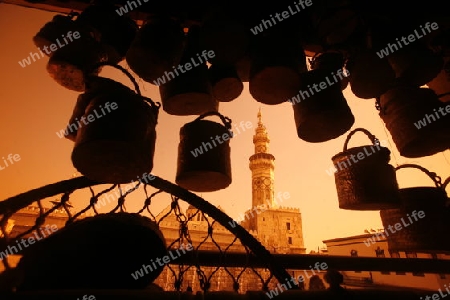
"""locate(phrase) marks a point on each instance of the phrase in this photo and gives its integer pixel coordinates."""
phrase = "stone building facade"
(375, 244)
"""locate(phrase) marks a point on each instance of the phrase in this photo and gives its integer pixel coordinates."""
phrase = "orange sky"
(33, 108)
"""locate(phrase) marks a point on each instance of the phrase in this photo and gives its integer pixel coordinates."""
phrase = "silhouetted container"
(70, 65)
(222, 32)
(331, 61)
(189, 92)
(54, 30)
(204, 163)
(419, 231)
(243, 68)
(116, 32)
(79, 110)
(276, 64)
(364, 178)
(117, 145)
(415, 64)
(225, 82)
(411, 116)
(337, 24)
(71, 253)
(367, 84)
(157, 48)
(321, 115)
(96, 86)
(441, 83)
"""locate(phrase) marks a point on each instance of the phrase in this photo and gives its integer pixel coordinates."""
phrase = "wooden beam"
(304, 261)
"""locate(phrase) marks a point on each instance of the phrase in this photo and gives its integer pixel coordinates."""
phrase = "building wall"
(280, 230)
(25, 218)
(348, 246)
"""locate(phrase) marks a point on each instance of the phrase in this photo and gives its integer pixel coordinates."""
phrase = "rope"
(128, 74)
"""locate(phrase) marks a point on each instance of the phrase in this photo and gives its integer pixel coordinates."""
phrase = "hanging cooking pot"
(364, 178)
(441, 83)
(56, 31)
(223, 33)
(157, 49)
(369, 84)
(415, 120)
(116, 31)
(416, 64)
(225, 82)
(190, 92)
(95, 87)
(204, 154)
(73, 48)
(336, 23)
(422, 215)
(115, 141)
(276, 63)
(321, 112)
(68, 253)
(331, 61)
(70, 64)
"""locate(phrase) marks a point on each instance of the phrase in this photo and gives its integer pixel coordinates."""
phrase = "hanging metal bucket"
(83, 101)
(404, 110)
(447, 203)
(365, 84)
(116, 145)
(157, 48)
(441, 83)
(331, 61)
(324, 114)
(55, 30)
(276, 64)
(116, 32)
(189, 93)
(140, 240)
(243, 68)
(415, 64)
(336, 23)
(204, 154)
(422, 215)
(364, 178)
(223, 33)
(225, 82)
(96, 86)
(72, 62)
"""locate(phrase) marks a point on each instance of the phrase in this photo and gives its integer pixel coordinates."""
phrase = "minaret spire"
(261, 138)
(262, 167)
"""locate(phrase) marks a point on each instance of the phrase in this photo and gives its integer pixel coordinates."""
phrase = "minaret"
(278, 228)
(262, 167)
